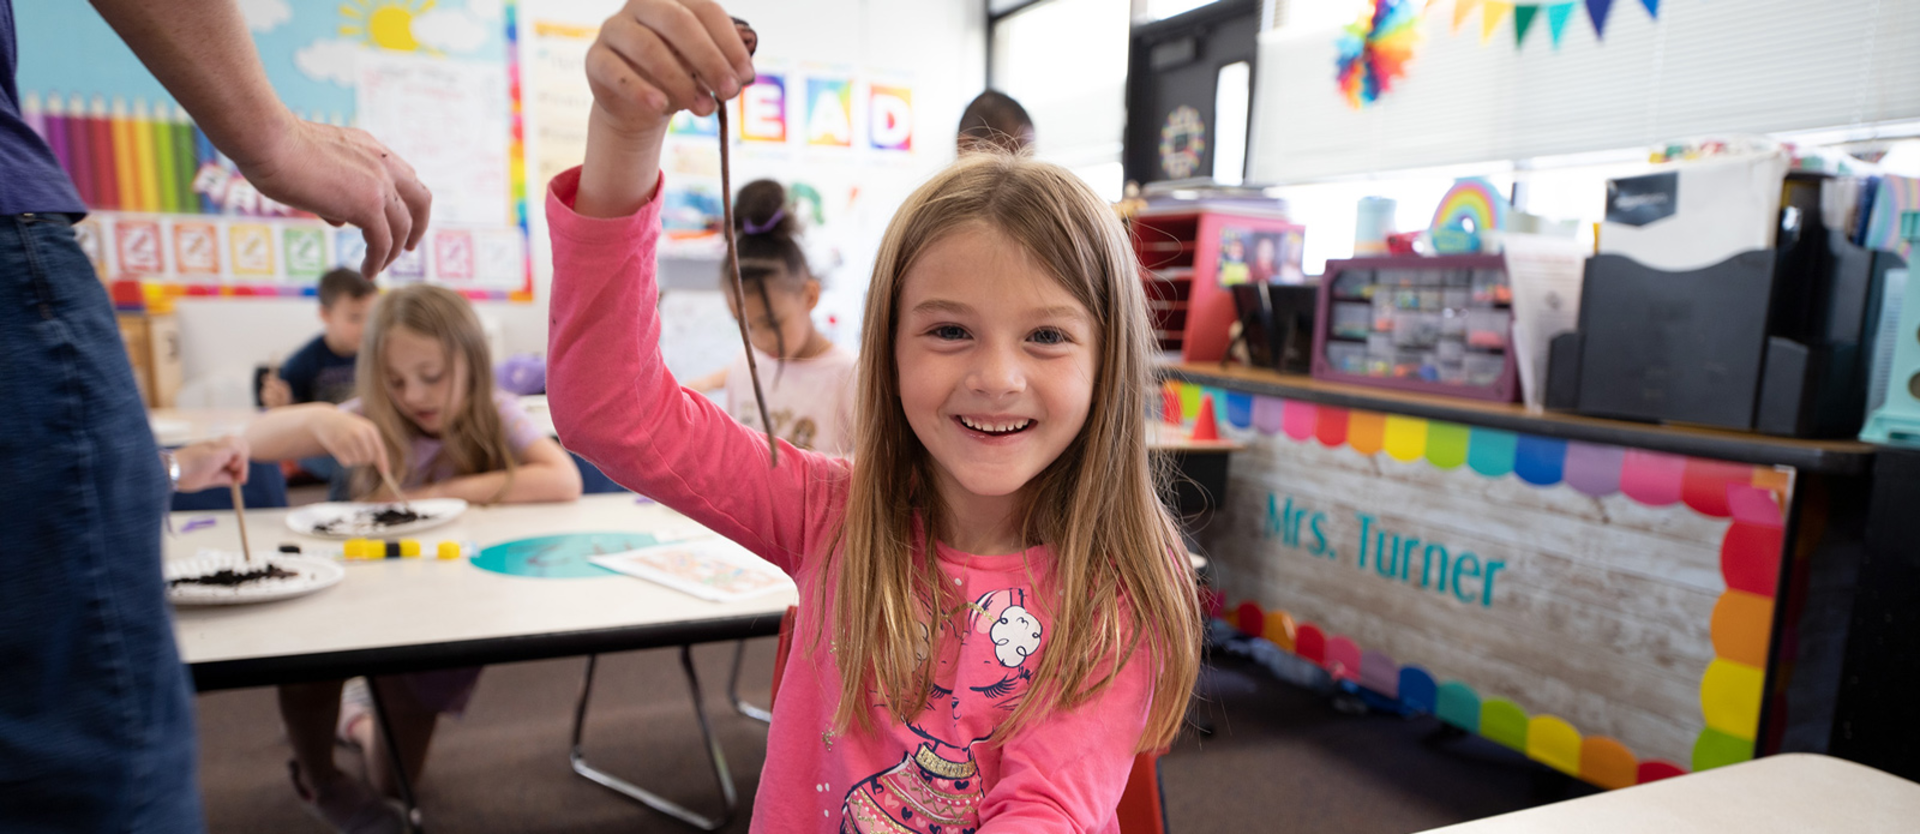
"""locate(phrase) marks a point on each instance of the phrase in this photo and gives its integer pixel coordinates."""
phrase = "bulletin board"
(437, 82)
(821, 130)
(1606, 611)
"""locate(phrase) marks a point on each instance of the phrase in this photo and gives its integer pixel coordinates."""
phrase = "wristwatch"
(173, 468)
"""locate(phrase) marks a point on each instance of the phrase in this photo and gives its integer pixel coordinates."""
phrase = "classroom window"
(1065, 61)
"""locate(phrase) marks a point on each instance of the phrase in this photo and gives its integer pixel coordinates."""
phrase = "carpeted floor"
(1279, 759)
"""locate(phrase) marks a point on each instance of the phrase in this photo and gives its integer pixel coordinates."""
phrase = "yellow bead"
(449, 550)
(410, 548)
(355, 548)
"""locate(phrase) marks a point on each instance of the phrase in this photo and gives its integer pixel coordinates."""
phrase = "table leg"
(400, 776)
(733, 689)
(614, 783)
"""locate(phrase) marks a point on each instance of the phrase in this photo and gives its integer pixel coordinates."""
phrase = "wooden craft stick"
(387, 478)
(733, 256)
(240, 520)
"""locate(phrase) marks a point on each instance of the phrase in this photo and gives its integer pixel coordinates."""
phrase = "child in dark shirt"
(322, 370)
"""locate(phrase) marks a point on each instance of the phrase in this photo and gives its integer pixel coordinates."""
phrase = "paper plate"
(310, 574)
(343, 520)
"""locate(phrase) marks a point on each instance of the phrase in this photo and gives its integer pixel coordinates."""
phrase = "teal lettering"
(1385, 555)
(1426, 566)
(1467, 566)
(1275, 524)
(1405, 558)
(1366, 523)
(1319, 538)
(1486, 594)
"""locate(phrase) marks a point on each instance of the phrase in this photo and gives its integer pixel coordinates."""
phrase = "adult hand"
(344, 175)
(212, 463)
(352, 440)
(275, 392)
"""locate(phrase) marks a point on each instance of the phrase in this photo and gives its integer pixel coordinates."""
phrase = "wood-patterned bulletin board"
(1605, 610)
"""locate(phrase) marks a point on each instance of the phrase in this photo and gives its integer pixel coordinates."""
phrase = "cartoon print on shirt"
(936, 789)
(801, 433)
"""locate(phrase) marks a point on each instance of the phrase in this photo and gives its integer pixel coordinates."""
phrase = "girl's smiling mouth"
(993, 426)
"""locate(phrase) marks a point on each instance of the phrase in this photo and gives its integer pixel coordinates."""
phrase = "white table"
(1794, 793)
(399, 615)
(403, 615)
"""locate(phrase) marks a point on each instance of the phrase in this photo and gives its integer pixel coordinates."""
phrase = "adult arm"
(201, 52)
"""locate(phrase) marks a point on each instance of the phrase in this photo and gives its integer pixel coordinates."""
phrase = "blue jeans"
(96, 717)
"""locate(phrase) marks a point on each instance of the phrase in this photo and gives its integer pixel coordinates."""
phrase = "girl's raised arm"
(614, 403)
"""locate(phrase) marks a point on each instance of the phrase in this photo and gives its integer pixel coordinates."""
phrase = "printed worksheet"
(712, 569)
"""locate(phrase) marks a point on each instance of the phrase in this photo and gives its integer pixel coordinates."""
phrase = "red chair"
(1141, 810)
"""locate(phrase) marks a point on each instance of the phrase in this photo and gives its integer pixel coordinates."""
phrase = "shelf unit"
(1180, 258)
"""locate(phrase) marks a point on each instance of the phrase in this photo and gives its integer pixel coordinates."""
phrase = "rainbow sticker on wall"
(1473, 205)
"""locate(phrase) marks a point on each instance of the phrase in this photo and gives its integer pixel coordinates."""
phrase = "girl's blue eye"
(950, 332)
(1049, 336)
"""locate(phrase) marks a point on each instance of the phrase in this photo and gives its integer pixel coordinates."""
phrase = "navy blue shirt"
(316, 374)
(30, 176)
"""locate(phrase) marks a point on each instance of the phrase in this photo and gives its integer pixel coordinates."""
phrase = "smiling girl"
(994, 607)
(428, 414)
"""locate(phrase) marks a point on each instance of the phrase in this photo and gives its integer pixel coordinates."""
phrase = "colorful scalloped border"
(1732, 685)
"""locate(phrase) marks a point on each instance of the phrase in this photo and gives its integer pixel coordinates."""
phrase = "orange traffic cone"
(1204, 427)
(1169, 405)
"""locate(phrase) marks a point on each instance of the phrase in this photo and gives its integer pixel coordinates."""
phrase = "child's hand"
(658, 56)
(652, 59)
(212, 463)
(275, 392)
(352, 440)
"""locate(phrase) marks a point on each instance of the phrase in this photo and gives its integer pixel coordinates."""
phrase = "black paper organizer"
(1769, 341)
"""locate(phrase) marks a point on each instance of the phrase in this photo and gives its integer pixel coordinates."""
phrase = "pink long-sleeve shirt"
(615, 404)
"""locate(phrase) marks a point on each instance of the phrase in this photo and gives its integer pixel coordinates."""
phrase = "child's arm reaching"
(613, 400)
(314, 429)
(544, 473)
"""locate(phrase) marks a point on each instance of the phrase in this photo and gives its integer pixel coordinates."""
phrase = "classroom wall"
(938, 47)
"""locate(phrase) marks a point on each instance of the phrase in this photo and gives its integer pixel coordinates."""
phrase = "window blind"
(1719, 67)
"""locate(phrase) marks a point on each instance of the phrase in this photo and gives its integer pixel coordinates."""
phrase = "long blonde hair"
(1119, 581)
(473, 440)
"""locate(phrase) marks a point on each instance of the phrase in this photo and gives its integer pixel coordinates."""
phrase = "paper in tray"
(713, 569)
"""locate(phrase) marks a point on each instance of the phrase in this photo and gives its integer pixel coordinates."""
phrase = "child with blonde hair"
(428, 415)
(996, 613)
